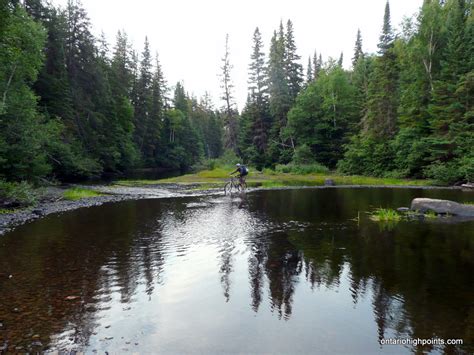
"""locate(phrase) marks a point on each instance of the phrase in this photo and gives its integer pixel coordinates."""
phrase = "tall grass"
(77, 193)
(385, 215)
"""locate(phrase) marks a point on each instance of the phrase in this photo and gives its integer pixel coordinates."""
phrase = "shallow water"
(288, 271)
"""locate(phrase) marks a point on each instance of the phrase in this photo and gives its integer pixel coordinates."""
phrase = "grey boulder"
(442, 206)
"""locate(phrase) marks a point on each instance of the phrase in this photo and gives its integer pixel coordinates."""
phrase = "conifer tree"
(309, 72)
(381, 119)
(294, 70)
(256, 118)
(231, 123)
(358, 51)
(144, 94)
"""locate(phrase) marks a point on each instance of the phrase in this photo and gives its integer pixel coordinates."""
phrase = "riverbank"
(61, 199)
(208, 179)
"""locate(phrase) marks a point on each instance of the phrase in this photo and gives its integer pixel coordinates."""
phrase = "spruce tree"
(309, 72)
(294, 70)
(381, 119)
(358, 51)
(144, 98)
(257, 107)
(231, 123)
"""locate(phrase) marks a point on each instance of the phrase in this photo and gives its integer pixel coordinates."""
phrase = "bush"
(17, 194)
(444, 173)
(303, 169)
(303, 155)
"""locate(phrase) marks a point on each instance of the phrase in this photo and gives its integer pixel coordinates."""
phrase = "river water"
(280, 271)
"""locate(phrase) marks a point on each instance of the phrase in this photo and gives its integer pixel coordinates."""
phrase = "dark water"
(278, 272)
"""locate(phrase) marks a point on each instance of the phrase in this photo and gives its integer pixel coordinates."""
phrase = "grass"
(430, 214)
(271, 178)
(469, 203)
(385, 215)
(7, 211)
(77, 193)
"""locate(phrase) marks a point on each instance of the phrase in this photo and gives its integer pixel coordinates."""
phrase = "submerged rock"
(442, 207)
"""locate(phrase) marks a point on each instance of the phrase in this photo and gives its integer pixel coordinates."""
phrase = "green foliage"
(303, 155)
(385, 215)
(302, 169)
(17, 194)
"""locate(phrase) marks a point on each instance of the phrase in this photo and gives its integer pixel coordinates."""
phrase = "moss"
(77, 193)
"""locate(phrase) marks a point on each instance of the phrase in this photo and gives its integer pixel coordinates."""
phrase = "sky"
(189, 35)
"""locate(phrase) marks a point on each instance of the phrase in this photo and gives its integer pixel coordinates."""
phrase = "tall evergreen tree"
(144, 98)
(257, 116)
(381, 119)
(231, 123)
(309, 71)
(294, 70)
(341, 59)
(358, 51)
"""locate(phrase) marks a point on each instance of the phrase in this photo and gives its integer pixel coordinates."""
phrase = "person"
(243, 171)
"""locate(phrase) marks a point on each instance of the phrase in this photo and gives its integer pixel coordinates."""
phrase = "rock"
(329, 182)
(72, 298)
(37, 212)
(468, 186)
(442, 206)
(403, 209)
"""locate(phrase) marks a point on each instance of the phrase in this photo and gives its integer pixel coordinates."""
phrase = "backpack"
(245, 170)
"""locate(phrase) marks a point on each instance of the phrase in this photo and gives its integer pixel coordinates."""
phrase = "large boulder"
(442, 206)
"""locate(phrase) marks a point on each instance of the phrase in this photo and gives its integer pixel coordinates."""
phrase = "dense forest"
(72, 108)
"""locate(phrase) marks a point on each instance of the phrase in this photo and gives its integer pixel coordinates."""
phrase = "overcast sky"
(189, 35)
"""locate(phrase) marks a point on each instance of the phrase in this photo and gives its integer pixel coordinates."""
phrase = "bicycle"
(235, 185)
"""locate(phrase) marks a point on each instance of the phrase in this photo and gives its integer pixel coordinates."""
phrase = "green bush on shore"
(302, 169)
(17, 194)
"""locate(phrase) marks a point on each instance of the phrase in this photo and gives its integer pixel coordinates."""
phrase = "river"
(279, 271)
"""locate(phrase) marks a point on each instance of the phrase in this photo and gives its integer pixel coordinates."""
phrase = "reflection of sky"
(282, 273)
(187, 311)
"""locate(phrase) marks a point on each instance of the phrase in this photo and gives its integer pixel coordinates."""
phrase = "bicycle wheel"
(228, 188)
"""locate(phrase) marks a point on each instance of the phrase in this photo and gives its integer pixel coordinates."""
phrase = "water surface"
(290, 271)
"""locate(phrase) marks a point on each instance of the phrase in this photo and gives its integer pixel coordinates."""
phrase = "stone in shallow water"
(442, 206)
(403, 209)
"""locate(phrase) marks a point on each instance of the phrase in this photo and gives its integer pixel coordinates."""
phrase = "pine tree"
(309, 72)
(294, 70)
(341, 60)
(257, 107)
(358, 51)
(144, 97)
(381, 119)
(231, 123)
(317, 65)
(387, 37)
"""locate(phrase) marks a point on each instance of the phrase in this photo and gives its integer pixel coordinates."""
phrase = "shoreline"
(117, 193)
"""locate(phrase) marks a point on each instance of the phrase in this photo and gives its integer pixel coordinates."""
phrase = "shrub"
(303, 155)
(17, 194)
(444, 174)
(304, 169)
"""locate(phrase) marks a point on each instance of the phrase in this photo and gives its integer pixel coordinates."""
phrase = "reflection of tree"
(420, 277)
(86, 256)
(283, 265)
(256, 263)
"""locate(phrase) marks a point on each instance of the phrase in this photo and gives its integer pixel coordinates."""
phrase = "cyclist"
(243, 172)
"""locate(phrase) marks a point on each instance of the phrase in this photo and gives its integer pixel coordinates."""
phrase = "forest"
(72, 106)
